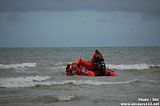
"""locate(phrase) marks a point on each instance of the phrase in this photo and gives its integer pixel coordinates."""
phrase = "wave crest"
(15, 66)
(21, 82)
(50, 98)
(141, 66)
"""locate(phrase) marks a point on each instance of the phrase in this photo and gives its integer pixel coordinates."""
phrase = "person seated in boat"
(77, 69)
(72, 69)
(80, 70)
(98, 62)
(69, 71)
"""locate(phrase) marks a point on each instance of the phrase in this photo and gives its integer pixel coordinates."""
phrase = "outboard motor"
(101, 68)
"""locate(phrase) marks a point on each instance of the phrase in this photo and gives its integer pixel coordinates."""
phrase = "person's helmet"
(96, 51)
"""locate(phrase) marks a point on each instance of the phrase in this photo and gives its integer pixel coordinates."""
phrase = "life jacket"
(97, 57)
(68, 71)
(79, 71)
(73, 66)
(71, 69)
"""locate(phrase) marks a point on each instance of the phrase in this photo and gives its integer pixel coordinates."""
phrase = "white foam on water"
(58, 64)
(141, 66)
(32, 81)
(17, 66)
(19, 82)
(65, 98)
(90, 82)
(83, 82)
(61, 67)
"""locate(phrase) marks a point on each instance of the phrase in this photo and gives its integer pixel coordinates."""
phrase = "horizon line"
(75, 46)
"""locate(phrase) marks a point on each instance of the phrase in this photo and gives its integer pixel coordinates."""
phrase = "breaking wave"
(50, 98)
(20, 82)
(141, 66)
(17, 66)
(33, 81)
(85, 82)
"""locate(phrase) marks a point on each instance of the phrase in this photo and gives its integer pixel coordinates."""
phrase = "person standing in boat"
(98, 62)
(97, 56)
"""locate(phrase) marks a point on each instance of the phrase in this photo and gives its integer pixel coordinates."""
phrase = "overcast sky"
(79, 23)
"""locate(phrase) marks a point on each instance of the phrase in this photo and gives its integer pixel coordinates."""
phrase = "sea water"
(36, 77)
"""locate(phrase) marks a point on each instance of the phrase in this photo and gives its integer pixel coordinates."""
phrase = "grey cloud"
(148, 17)
(143, 6)
(14, 17)
(102, 20)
